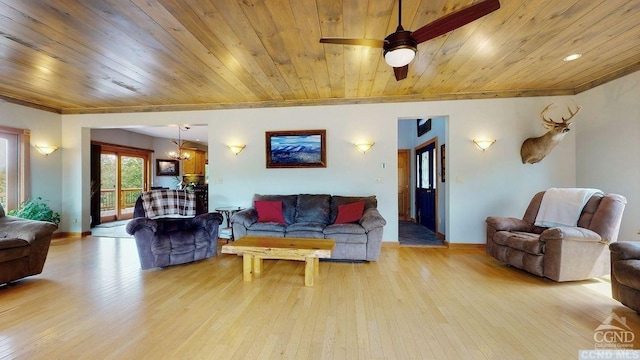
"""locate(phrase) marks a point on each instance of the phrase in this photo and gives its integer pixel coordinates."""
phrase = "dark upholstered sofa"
(169, 241)
(314, 216)
(24, 245)
(562, 253)
(625, 273)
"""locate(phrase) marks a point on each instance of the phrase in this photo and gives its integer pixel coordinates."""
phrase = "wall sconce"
(364, 147)
(483, 144)
(236, 149)
(45, 149)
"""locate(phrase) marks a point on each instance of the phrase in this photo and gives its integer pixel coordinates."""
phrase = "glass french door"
(123, 176)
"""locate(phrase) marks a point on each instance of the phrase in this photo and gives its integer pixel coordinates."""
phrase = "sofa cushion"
(269, 211)
(269, 226)
(526, 242)
(627, 272)
(350, 228)
(313, 209)
(11, 249)
(350, 213)
(289, 203)
(501, 237)
(369, 202)
(305, 226)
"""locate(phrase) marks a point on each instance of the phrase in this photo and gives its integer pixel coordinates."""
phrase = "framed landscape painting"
(296, 149)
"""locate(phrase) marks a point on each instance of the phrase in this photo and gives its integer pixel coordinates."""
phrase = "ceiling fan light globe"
(400, 57)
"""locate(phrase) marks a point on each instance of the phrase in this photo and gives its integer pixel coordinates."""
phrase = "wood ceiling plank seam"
(593, 45)
(354, 26)
(72, 47)
(208, 47)
(378, 19)
(64, 66)
(454, 46)
(331, 25)
(103, 43)
(504, 35)
(245, 57)
(35, 96)
(44, 79)
(627, 57)
(539, 46)
(635, 66)
(203, 68)
(483, 48)
(306, 17)
(285, 23)
(252, 41)
(260, 19)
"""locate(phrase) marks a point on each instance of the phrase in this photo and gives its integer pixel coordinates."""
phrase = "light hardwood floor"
(92, 301)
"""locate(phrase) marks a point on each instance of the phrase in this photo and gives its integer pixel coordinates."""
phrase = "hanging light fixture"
(179, 154)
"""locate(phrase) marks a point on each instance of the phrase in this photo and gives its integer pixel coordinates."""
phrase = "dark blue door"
(426, 186)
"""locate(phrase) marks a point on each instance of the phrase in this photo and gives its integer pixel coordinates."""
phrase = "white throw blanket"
(562, 207)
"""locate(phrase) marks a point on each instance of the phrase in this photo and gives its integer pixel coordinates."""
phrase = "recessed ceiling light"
(572, 57)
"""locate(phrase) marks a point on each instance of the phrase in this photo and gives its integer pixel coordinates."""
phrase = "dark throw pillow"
(269, 211)
(349, 213)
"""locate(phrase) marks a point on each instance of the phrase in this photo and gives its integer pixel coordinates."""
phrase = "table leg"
(247, 267)
(316, 266)
(257, 265)
(309, 271)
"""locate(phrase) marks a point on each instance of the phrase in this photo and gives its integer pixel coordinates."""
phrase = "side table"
(227, 212)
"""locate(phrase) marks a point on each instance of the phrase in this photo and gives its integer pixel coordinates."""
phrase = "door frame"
(119, 151)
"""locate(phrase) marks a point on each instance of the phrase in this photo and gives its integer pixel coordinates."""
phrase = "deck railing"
(128, 198)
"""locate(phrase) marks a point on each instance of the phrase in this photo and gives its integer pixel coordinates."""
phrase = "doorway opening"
(422, 181)
(122, 174)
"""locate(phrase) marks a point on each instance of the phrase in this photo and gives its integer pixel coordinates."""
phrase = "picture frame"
(296, 149)
(424, 126)
(166, 167)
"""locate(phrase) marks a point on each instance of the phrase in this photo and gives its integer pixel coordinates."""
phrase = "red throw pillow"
(349, 213)
(269, 211)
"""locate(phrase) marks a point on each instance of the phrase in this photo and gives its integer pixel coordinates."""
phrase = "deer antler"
(549, 123)
(567, 121)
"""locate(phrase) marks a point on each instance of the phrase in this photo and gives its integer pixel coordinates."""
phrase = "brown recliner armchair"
(562, 253)
(166, 241)
(625, 273)
(24, 245)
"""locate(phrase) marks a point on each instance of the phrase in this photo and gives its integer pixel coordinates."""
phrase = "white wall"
(481, 183)
(45, 171)
(608, 132)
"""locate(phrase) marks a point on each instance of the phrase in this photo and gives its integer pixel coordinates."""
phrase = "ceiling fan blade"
(455, 20)
(401, 72)
(359, 42)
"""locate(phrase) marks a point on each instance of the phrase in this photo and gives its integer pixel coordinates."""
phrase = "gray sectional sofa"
(314, 216)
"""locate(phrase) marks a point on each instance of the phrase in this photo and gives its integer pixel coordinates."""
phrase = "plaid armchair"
(180, 230)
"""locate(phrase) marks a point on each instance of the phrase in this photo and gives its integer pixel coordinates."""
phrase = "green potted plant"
(36, 209)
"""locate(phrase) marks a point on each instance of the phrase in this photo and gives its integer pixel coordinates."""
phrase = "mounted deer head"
(535, 149)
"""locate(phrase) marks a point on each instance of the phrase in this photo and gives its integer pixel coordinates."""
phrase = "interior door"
(404, 181)
(426, 185)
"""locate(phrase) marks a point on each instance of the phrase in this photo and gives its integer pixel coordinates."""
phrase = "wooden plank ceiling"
(91, 56)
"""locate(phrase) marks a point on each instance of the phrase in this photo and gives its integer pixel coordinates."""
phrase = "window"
(13, 167)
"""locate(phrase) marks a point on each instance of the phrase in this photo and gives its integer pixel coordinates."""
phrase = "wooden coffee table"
(254, 249)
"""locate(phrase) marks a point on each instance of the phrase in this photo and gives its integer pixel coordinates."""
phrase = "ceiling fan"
(400, 47)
